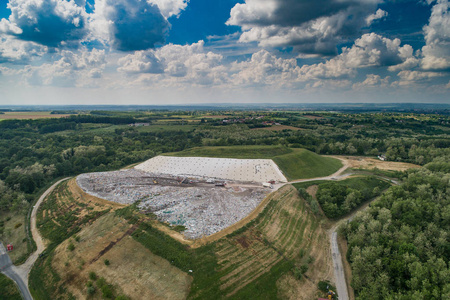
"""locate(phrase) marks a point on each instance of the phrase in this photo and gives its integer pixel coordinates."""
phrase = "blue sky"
(202, 51)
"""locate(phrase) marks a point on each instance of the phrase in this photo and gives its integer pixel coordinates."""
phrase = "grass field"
(294, 163)
(12, 231)
(8, 290)
(30, 115)
(151, 128)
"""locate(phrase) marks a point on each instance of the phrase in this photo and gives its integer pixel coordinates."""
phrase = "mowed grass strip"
(294, 163)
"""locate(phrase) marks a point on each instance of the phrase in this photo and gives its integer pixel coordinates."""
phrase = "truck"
(268, 185)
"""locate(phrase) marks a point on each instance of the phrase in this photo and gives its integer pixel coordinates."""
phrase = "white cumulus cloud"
(436, 52)
(379, 14)
(48, 22)
(310, 26)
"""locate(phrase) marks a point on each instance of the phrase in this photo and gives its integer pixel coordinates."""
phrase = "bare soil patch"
(370, 163)
(30, 115)
(312, 190)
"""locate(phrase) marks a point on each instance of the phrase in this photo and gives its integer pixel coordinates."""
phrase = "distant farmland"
(23, 115)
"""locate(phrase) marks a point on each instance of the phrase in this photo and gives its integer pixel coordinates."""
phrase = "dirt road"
(20, 273)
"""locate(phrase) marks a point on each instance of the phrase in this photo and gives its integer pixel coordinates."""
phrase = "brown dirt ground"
(362, 162)
(312, 190)
(133, 270)
(29, 115)
(278, 128)
(175, 235)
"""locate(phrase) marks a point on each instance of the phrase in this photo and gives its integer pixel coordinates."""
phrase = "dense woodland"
(400, 247)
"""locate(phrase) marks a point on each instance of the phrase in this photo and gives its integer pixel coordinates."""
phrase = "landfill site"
(205, 195)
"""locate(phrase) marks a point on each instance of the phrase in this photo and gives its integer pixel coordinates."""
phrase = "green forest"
(400, 247)
(340, 198)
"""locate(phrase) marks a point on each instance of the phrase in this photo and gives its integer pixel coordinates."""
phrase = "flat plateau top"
(252, 170)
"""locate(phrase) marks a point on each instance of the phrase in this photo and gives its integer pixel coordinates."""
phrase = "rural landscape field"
(212, 204)
(233, 149)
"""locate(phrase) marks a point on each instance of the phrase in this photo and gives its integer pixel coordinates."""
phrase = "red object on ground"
(9, 247)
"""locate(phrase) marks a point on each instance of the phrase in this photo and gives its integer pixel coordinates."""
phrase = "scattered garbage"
(203, 208)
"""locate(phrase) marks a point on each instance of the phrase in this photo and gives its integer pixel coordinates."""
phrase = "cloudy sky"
(204, 51)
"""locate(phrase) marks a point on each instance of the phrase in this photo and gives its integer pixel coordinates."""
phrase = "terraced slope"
(282, 239)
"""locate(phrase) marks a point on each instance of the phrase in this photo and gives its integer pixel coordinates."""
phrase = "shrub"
(71, 246)
(107, 292)
(91, 290)
(323, 285)
(17, 225)
(101, 282)
(301, 253)
(179, 228)
(106, 261)
(92, 276)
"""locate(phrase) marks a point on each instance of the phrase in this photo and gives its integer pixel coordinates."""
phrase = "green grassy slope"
(295, 163)
(301, 164)
(8, 290)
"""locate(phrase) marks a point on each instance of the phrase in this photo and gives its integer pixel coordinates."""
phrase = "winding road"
(19, 274)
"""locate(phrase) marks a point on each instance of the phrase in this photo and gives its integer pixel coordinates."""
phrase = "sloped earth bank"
(286, 233)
